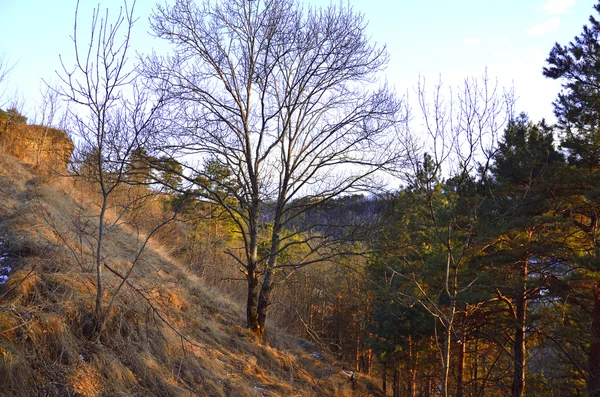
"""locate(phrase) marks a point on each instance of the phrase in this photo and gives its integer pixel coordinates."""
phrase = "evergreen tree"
(400, 324)
(520, 244)
(577, 108)
(577, 65)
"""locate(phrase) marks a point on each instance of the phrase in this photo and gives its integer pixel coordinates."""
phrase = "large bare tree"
(285, 101)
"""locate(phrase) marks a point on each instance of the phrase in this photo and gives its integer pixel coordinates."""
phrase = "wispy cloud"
(472, 41)
(550, 25)
(556, 7)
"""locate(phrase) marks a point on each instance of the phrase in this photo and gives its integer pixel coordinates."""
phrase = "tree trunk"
(446, 355)
(518, 386)
(252, 303)
(268, 282)
(264, 300)
(412, 369)
(98, 314)
(460, 383)
(366, 359)
(252, 277)
(384, 378)
(396, 384)
(519, 348)
(475, 369)
(593, 382)
(357, 355)
(451, 292)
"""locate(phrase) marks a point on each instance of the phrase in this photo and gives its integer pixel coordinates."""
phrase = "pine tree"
(578, 111)
(521, 245)
(577, 107)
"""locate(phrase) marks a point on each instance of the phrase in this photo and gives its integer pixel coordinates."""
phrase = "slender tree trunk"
(357, 355)
(518, 386)
(519, 348)
(446, 349)
(475, 369)
(412, 369)
(451, 292)
(366, 359)
(396, 384)
(384, 378)
(593, 382)
(253, 288)
(460, 383)
(98, 320)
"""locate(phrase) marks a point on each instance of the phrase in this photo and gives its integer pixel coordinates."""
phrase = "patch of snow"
(4, 269)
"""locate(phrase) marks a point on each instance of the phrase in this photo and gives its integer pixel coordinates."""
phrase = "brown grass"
(201, 350)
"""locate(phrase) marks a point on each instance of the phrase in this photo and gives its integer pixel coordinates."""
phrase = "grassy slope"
(206, 353)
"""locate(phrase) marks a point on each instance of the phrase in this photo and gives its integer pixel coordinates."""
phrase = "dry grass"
(168, 335)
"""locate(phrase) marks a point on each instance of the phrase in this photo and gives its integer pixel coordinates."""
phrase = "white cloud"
(472, 41)
(550, 25)
(555, 7)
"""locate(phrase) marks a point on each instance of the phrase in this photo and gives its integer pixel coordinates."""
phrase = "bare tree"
(111, 116)
(5, 69)
(281, 99)
(458, 140)
(49, 114)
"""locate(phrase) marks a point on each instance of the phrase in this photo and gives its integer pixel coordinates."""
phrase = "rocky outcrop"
(48, 149)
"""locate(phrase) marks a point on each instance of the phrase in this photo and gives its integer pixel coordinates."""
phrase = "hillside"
(169, 334)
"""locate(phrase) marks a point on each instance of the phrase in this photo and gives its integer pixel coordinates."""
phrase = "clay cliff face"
(48, 149)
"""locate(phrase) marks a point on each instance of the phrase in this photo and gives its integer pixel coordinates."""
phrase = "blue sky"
(432, 38)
